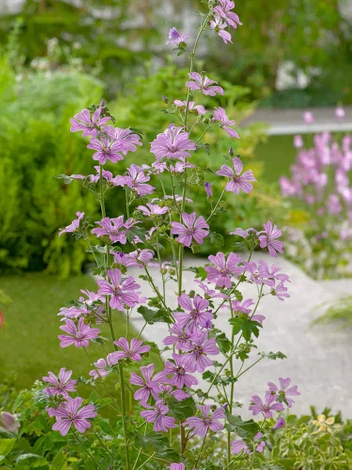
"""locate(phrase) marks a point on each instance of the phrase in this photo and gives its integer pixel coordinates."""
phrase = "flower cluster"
(192, 391)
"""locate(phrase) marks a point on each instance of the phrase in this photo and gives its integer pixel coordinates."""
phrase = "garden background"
(59, 56)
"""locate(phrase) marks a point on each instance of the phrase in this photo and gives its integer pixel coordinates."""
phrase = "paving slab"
(318, 358)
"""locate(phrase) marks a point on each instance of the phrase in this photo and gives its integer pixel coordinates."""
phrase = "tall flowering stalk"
(193, 396)
(321, 185)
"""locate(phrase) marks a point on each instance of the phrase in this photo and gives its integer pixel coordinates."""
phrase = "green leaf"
(59, 461)
(182, 409)
(66, 178)
(216, 239)
(39, 460)
(159, 444)
(244, 429)
(273, 356)
(223, 343)
(6, 445)
(246, 325)
(154, 316)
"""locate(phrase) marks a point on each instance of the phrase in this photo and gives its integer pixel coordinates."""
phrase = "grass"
(28, 342)
(278, 154)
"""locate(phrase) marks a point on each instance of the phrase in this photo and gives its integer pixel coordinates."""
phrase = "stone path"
(318, 358)
(290, 121)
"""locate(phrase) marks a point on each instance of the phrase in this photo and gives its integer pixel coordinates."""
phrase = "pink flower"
(196, 314)
(207, 86)
(191, 229)
(209, 421)
(152, 210)
(267, 239)
(308, 117)
(224, 10)
(120, 293)
(157, 416)
(180, 372)
(177, 466)
(243, 308)
(269, 274)
(136, 180)
(101, 367)
(219, 27)
(266, 408)
(280, 291)
(196, 354)
(179, 337)
(106, 149)
(115, 229)
(175, 37)
(78, 335)
(83, 122)
(199, 109)
(74, 225)
(243, 233)
(125, 137)
(9, 422)
(209, 293)
(297, 141)
(132, 351)
(239, 445)
(284, 391)
(149, 385)
(237, 182)
(172, 143)
(225, 123)
(280, 423)
(69, 413)
(224, 269)
(61, 385)
(340, 112)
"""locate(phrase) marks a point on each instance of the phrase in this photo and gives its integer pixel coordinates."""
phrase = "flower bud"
(9, 422)
(231, 152)
(165, 99)
(207, 187)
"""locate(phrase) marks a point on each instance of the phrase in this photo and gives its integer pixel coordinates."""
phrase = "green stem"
(216, 205)
(201, 450)
(141, 466)
(102, 443)
(87, 451)
(124, 415)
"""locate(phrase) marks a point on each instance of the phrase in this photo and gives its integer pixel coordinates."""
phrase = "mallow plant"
(177, 416)
(320, 183)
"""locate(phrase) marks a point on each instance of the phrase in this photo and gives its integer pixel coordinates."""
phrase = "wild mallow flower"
(70, 413)
(148, 385)
(151, 210)
(131, 351)
(197, 352)
(209, 421)
(114, 228)
(283, 391)
(242, 307)
(120, 293)
(196, 313)
(180, 372)
(207, 86)
(90, 126)
(238, 446)
(208, 292)
(101, 367)
(136, 180)
(60, 385)
(105, 149)
(177, 466)
(267, 407)
(74, 225)
(9, 422)
(224, 269)
(208, 190)
(219, 26)
(280, 291)
(78, 335)
(192, 229)
(308, 117)
(340, 112)
(280, 423)
(178, 337)
(298, 141)
(267, 239)
(224, 122)
(198, 109)
(176, 38)
(224, 11)
(270, 274)
(125, 137)
(172, 143)
(237, 182)
(158, 417)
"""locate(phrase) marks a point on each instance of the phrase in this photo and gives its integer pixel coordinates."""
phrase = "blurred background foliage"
(59, 56)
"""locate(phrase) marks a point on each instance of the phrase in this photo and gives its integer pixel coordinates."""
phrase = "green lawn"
(28, 342)
(278, 154)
